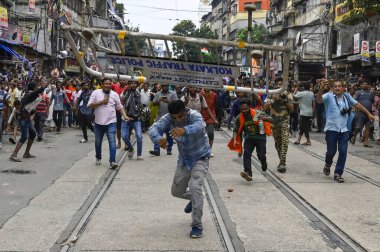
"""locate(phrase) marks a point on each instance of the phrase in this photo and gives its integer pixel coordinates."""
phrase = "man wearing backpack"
(132, 107)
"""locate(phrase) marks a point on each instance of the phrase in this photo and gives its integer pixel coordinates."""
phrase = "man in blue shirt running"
(187, 127)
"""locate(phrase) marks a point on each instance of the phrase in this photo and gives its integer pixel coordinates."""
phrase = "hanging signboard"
(378, 52)
(3, 18)
(357, 43)
(50, 24)
(32, 6)
(176, 72)
(365, 51)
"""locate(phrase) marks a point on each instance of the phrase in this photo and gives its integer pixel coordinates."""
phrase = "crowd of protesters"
(64, 103)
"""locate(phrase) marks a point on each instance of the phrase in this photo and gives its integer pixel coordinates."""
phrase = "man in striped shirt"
(187, 127)
(42, 110)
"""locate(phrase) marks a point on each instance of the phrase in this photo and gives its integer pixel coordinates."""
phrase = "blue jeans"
(170, 143)
(99, 131)
(136, 125)
(67, 107)
(1, 125)
(337, 140)
(27, 131)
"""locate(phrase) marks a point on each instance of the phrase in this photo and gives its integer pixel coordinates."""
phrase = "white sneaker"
(131, 154)
(83, 141)
(113, 165)
(98, 162)
(212, 154)
(140, 158)
(1, 145)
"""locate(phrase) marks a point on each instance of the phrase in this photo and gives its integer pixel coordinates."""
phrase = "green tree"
(361, 11)
(259, 34)
(129, 44)
(188, 28)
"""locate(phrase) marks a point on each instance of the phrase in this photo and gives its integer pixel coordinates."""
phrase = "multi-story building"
(346, 47)
(302, 25)
(229, 16)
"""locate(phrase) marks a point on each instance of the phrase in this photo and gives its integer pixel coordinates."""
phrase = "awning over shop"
(18, 56)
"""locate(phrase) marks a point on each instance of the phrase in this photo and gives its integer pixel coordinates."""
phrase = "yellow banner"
(3, 18)
(342, 10)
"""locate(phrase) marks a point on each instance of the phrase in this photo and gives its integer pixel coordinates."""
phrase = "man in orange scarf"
(248, 122)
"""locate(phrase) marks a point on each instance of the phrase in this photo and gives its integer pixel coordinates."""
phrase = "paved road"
(137, 212)
(55, 155)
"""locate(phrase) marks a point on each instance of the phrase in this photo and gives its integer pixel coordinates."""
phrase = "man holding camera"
(338, 106)
(280, 106)
(162, 99)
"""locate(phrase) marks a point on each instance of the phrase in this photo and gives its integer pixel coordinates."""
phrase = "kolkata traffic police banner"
(3, 18)
(378, 52)
(365, 51)
(177, 72)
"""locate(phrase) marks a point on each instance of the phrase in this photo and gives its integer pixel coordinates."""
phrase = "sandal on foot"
(29, 156)
(326, 170)
(338, 179)
(296, 143)
(367, 146)
(15, 159)
(306, 143)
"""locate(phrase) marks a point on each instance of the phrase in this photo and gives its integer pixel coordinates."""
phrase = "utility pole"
(250, 7)
(328, 51)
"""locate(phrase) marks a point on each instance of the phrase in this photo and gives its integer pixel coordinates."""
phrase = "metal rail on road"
(89, 37)
(335, 234)
(348, 170)
(82, 224)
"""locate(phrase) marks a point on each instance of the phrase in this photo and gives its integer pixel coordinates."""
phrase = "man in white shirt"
(306, 100)
(145, 101)
(105, 102)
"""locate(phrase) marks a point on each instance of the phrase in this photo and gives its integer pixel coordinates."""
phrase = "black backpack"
(133, 105)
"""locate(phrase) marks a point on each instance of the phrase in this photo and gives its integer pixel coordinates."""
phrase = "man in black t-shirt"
(365, 98)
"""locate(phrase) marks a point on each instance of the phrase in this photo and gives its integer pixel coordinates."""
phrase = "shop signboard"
(32, 6)
(357, 43)
(378, 52)
(365, 51)
(3, 18)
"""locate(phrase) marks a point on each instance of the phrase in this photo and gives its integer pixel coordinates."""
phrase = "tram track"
(75, 234)
(81, 225)
(332, 231)
(346, 169)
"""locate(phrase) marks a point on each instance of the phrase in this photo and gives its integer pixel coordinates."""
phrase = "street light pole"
(250, 7)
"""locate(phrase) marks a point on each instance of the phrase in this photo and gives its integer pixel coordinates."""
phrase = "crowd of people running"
(189, 116)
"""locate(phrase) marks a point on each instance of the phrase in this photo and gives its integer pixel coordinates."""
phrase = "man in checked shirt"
(187, 127)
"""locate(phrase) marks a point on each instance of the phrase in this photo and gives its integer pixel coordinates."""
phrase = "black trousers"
(249, 146)
(305, 125)
(57, 118)
(85, 122)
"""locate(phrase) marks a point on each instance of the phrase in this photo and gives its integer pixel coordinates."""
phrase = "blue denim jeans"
(337, 141)
(1, 125)
(170, 143)
(99, 131)
(27, 131)
(67, 107)
(136, 125)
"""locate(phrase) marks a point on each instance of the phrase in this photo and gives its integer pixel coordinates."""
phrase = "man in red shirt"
(119, 88)
(69, 89)
(211, 100)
